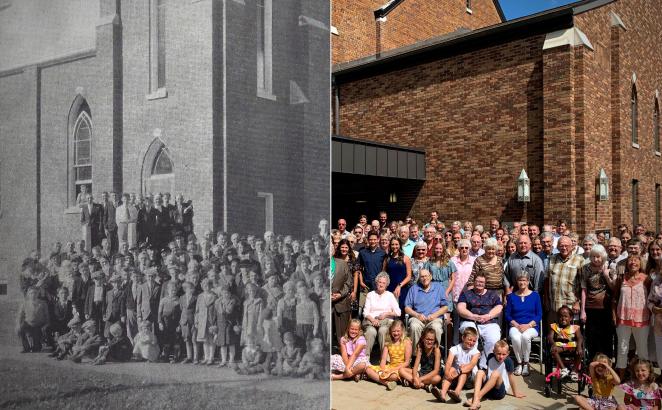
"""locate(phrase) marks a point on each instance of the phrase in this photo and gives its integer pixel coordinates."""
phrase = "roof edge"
(497, 5)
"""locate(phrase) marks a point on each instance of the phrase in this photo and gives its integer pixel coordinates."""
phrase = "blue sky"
(518, 8)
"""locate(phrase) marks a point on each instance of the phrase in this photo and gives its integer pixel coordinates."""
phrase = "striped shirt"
(493, 273)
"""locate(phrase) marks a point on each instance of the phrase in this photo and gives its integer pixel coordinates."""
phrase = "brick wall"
(479, 115)
(634, 50)
(359, 35)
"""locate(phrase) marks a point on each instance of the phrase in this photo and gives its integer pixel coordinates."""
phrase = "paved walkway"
(368, 395)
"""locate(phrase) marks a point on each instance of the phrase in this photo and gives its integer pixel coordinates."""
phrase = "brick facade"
(360, 35)
(561, 113)
(208, 111)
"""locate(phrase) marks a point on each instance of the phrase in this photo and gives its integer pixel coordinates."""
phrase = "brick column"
(617, 182)
(559, 136)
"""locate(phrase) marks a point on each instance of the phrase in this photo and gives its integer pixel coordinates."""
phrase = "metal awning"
(352, 156)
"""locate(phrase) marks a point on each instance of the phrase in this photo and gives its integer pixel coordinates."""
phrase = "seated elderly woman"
(523, 314)
(381, 307)
(480, 307)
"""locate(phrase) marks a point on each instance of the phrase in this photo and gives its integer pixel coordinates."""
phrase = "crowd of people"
(140, 286)
(449, 306)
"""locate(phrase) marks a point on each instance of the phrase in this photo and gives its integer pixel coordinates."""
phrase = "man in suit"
(341, 287)
(115, 304)
(147, 218)
(109, 223)
(162, 223)
(91, 220)
(132, 287)
(149, 296)
(182, 216)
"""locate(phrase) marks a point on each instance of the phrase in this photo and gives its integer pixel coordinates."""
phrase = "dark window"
(162, 164)
(635, 202)
(157, 51)
(635, 125)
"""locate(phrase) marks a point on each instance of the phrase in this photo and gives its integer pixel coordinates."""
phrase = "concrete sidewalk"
(368, 395)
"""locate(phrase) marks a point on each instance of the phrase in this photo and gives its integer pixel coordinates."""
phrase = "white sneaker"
(518, 370)
(565, 372)
(525, 370)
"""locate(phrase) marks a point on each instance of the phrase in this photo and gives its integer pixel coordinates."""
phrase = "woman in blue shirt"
(523, 313)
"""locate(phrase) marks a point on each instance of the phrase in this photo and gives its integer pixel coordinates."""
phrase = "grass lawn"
(36, 385)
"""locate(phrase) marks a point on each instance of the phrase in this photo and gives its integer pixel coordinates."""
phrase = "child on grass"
(145, 346)
(352, 360)
(228, 315)
(425, 372)
(314, 363)
(289, 356)
(169, 315)
(66, 341)
(252, 357)
(604, 379)
(460, 366)
(87, 345)
(496, 379)
(395, 355)
(118, 348)
(204, 321)
(641, 392)
(187, 305)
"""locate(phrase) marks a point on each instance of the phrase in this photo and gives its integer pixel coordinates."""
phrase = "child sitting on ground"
(604, 379)
(87, 345)
(314, 363)
(460, 366)
(289, 356)
(425, 372)
(252, 357)
(641, 392)
(68, 340)
(118, 348)
(145, 346)
(32, 319)
(397, 352)
(494, 381)
(566, 340)
(352, 360)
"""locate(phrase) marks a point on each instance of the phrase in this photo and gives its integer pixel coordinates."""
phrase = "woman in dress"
(443, 270)
(399, 269)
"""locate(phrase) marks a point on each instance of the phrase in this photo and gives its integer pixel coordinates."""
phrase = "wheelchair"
(553, 379)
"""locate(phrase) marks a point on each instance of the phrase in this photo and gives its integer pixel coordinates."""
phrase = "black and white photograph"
(164, 203)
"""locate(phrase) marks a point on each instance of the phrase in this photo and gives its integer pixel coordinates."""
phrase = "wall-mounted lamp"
(523, 188)
(392, 198)
(602, 187)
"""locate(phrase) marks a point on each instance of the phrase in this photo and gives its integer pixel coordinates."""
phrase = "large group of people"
(140, 286)
(448, 306)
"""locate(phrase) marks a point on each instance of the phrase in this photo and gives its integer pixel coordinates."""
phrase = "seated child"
(566, 340)
(145, 346)
(397, 352)
(271, 343)
(87, 345)
(118, 348)
(252, 357)
(32, 318)
(289, 356)
(494, 381)
(460, 366)
(641, 392)
(68, 340)
(604, 379)
(352, 360)
(425, 372)
(314, 362)
(61, 314)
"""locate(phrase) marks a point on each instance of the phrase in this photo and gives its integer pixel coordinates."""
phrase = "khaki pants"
(370, 332)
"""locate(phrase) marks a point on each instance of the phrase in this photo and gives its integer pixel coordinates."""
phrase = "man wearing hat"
(149, 296)
(95, 301)
(115, 304)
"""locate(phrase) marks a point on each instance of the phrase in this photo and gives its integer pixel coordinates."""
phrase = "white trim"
(334, 30)
(634, 78)
(616, 20)
(381, 19)
(157, 94)
(571, 37)
(309, 21)
(635, 145)
(268, 210)
(469, 11)
(658, 153)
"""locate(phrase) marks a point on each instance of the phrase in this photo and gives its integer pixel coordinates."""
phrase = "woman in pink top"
(632, 314)
(463, 264)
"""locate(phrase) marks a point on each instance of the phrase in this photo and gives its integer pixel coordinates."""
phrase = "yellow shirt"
(603, 387)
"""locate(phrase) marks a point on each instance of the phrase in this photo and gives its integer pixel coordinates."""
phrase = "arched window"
(635, 137)
(162, 164)
(656, 126)
(158, 172)
(79, 164)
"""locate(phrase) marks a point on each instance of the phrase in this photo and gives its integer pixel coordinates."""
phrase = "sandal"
(455, 398)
